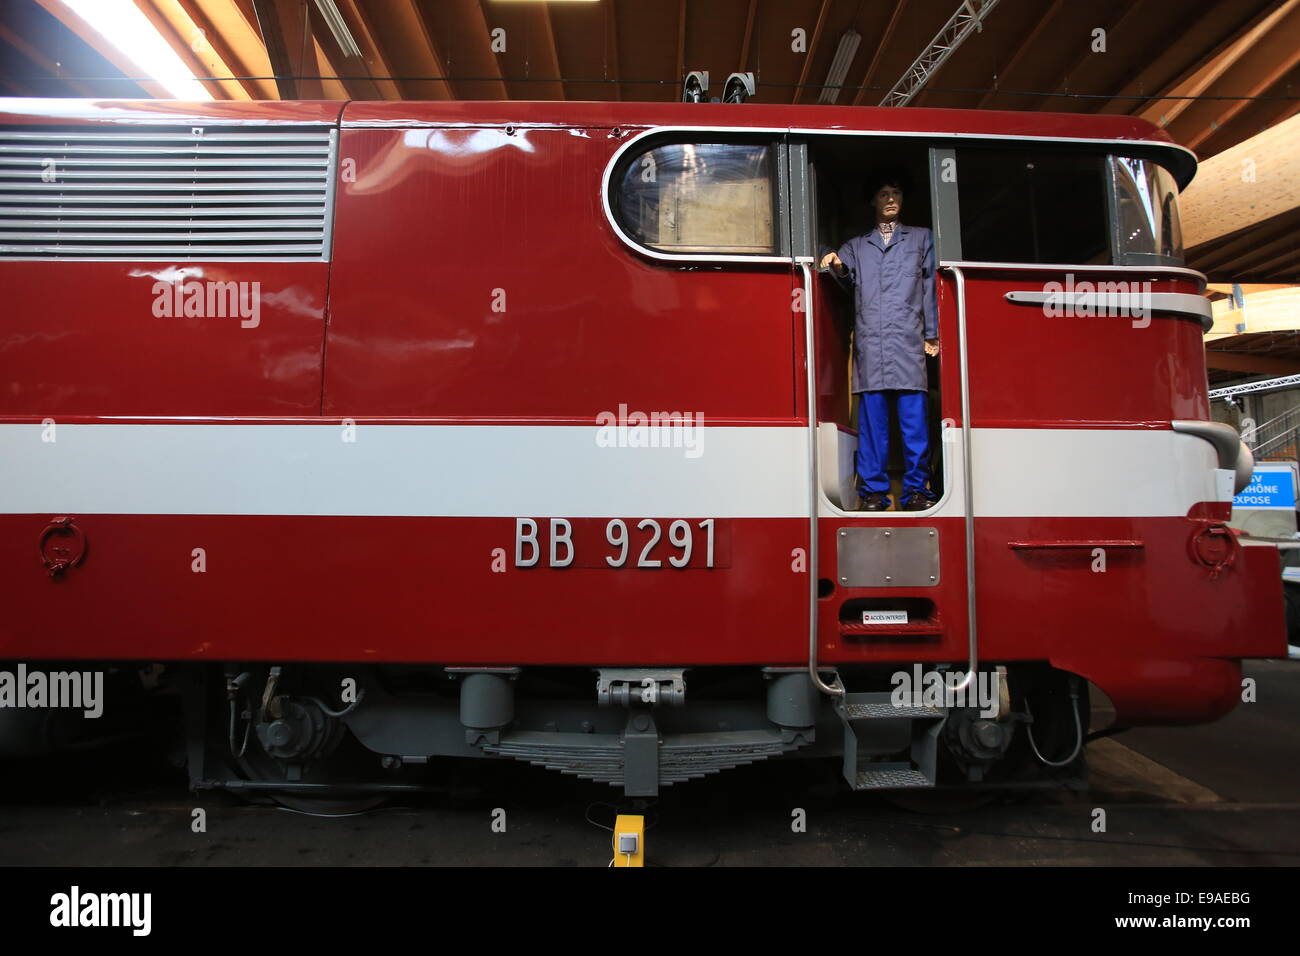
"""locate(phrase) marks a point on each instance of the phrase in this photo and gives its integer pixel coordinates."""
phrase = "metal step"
(860, 770)
(895, 776)
(880, 706)
(888, 711)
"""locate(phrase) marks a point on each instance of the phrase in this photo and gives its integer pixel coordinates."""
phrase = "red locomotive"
(398, 431)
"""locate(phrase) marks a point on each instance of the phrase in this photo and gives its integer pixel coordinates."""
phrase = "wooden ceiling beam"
(1242, 254)
(1243, 186)
(409, 21)
(1196, 81)
(1154, 79)
(190, 42)
(1257, 116)
(236, 22)
(1287, 263)
(1274, 57)
(749, 36)
(474, 14)
(547, 25)
(812, 50)
(276, 40)
(1111, 29)
(1230, 112)
(894, 19)
(1268, 310)
(1245, 246)
(299, 58)
(224, 48)
(1243, 362)
(374, 58)
(335, 84)
(1249, 288)
(611, 45)
(1026, 47)
(352, 72)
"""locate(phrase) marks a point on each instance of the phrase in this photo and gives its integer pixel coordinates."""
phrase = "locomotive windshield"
(1058, 207)
(1147, 226)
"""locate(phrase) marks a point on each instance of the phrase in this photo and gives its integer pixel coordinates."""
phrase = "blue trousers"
(873, 439)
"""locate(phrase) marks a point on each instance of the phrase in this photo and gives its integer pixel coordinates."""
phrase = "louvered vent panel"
(166, 193)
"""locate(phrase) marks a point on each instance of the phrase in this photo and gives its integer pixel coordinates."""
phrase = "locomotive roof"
(989, 124)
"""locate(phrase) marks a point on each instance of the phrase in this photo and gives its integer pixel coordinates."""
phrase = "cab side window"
(699, 198)
(1034, 207)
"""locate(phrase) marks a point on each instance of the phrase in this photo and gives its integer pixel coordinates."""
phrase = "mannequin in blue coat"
(892, 271)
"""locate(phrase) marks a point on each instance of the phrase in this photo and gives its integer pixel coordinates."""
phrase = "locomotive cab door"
(834, 208)
(895, 581)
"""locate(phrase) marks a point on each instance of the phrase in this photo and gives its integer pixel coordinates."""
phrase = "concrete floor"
(1223, 794)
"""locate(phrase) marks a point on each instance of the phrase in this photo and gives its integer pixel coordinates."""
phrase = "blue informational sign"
(1272, 488)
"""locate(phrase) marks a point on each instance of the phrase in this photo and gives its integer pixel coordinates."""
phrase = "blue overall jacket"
(894, 305)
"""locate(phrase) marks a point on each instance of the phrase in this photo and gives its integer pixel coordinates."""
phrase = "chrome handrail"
(968, 480)
(814, 485)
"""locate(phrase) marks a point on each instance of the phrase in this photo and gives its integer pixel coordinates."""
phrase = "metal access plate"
(905, 557)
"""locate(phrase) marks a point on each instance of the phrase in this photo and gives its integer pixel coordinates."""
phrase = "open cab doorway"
(842, 174)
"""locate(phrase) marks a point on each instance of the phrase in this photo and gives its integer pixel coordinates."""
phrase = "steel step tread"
(889, 712)
(894, 777)
(879, 705)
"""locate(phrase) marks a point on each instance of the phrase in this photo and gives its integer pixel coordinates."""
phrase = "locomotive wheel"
(346, 763)
(341, 762)
(300, 741)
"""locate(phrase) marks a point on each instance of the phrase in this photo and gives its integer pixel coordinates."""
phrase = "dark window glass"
(695, 198)
(1023, 206)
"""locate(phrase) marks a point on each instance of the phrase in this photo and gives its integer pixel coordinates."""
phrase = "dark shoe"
(876, 501)
(917, 501)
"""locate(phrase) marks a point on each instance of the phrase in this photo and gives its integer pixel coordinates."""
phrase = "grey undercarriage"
(325, 728)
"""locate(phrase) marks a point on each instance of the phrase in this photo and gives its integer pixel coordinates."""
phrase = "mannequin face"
(887, 203)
